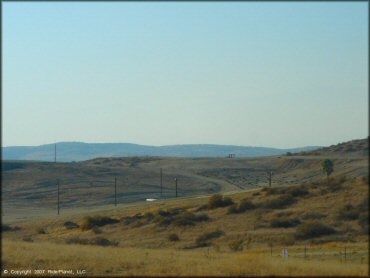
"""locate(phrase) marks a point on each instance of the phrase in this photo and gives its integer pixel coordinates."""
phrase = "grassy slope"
(91, 183)
(144, 248)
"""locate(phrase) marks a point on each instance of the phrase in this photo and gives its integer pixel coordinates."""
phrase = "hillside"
(323, 221)
(317, 222)
(29, 187)
(350, 148)
(78, 151)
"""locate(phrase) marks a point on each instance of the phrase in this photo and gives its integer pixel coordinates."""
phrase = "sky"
(285, 74)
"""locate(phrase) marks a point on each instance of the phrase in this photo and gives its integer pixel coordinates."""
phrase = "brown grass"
(108, 261)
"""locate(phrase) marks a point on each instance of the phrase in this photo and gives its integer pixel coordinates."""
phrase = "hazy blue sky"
(256, 74)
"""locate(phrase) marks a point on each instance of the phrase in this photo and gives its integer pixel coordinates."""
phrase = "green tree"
(328, 167)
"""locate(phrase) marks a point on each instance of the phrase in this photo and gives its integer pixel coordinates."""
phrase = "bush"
(203, 240)
(278, 202)
(96, 230)
(70, 225)
(313, 215)
(77, 240)
(189, 219)
(27, 239)
(241, 207)
(348, 212)
(149, 216)
(294, 191)
(313, 229)
(131, 219)
(173, 237)
(298, 191)
(363, 221)
(96, 221)
(218, 201)
(284, 222)
(101, 241)
(41, 231)
(236, 245)
(162, 221)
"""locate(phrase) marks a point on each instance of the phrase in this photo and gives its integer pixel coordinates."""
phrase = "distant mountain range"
(78, 151)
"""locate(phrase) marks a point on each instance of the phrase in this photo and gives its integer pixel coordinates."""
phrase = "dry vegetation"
(220, 235)
(152, 262)
(323, 223)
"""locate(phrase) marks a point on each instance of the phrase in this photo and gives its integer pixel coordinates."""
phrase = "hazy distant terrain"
(78, 151)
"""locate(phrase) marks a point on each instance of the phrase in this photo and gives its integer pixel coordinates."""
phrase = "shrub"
(41, 231)
(298, 191)
(244, 205)
(236, 245)
(348, 212)
(313, 215)
(96, 230)
(284, 222)
(98, 221)
(149, 216)
(232, 209)
(278, 202)
(70, 225)
(203, 240)
(27, 239)
(294, 191)
(363, 221)
(218, 201)
(77, 240)
(173, 237)
(189, 219)
(162, 221)
(131, 219)
(313, 229)
(101, 241)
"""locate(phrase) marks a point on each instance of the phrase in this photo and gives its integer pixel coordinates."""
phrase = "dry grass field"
(322, 222)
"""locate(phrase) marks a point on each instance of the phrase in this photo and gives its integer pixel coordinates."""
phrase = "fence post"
(305, 251)
(345, 254)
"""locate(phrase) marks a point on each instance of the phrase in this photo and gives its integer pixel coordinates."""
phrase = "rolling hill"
(78, 151)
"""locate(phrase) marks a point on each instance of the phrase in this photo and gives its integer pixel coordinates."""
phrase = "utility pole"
(58, 196)
(55, 153)
(161, 181)
(115, 191)
(269, 176)
(176, 186)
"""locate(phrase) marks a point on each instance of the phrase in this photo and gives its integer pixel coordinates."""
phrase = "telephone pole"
(58, 196)
(161, 181)
(55, 153)
(115, 191)
(176, 186)
(269, 173)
